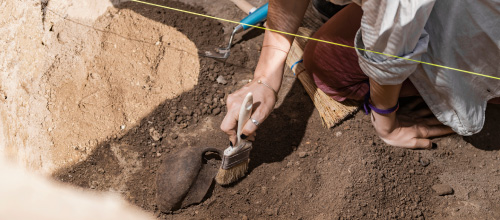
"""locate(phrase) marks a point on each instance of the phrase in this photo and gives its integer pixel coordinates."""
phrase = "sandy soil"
(298, 169)
(70, 81)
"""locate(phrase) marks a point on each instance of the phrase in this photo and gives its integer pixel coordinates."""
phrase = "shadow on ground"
(488, 138)
(127, 164)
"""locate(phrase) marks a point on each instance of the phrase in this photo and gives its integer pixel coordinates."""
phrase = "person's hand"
(409, 128)
(263, 103)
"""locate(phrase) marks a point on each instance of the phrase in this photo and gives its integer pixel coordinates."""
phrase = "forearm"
(286, 16)
(384, 97)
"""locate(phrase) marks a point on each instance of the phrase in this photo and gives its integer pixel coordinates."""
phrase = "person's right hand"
(263, 103)
(410, 127)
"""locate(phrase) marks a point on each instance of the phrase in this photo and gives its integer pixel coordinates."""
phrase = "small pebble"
(424, 162)
(338, 134)
(442, 189)
(302, 154)
(221, 80)
(155, 135)
(216, 111)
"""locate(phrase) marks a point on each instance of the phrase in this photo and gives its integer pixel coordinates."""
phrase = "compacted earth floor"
(298, 168)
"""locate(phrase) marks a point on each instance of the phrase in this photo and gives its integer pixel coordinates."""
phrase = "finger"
(229, 124)
(421, 143)
(251, 137)
(421, 113)
(439, 130)
(250, 127)
(412, 105)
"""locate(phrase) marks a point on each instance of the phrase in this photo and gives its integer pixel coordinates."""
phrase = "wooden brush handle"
(245, 112)
(243, 5)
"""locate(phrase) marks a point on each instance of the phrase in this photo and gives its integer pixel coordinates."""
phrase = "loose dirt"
(298, 169)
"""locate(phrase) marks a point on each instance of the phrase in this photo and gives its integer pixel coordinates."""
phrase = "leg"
(335, 69)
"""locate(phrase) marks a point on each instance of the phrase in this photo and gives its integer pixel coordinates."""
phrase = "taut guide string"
(315, 39)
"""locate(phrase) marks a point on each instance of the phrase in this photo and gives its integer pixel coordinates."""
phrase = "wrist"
(270, 68)
(384, 124)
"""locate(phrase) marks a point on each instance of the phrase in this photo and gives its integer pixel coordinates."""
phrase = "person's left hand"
(409, 128)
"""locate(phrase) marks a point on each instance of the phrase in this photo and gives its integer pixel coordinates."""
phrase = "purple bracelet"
(368, 106)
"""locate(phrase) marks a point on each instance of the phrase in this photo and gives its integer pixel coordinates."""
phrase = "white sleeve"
(394, 27)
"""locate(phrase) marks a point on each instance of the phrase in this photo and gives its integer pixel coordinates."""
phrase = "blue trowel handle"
(257, 16)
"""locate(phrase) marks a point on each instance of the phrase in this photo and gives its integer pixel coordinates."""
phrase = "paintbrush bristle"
(226, 177)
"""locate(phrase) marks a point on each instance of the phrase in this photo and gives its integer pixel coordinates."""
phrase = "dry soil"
(298, 169)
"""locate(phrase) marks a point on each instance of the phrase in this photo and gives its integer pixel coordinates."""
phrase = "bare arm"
(283, 15)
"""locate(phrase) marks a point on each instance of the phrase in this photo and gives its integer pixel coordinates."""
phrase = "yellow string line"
(315, 39)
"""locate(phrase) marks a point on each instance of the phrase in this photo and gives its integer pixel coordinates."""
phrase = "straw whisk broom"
(331, 111)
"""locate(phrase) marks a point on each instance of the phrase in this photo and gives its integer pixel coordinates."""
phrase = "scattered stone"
(371, 143)
(174, 136)
(442, 189)
(338, 134)
(289, 164)
(216, 111)
(155, 135)
(221, 80)
(244, 217)
(101, 170)
(302, 154)
(122, 127)
(424, 162)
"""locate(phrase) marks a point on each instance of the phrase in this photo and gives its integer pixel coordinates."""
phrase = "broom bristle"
(226, 177)
(331, 111)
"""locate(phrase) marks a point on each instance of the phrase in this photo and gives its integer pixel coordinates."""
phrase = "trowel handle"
(244, 6)
(255, 17)
(245, 112)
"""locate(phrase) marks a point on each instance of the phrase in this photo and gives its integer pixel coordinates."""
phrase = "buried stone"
(442, 189)
(183, 179)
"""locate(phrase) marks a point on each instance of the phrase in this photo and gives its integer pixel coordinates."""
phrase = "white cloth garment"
(463, 34)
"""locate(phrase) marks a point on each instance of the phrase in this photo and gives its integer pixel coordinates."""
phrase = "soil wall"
(70, 79)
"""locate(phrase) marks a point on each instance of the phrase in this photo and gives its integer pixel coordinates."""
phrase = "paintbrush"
(236, 158)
